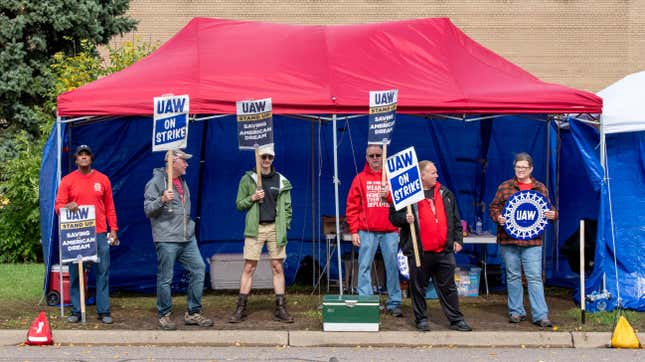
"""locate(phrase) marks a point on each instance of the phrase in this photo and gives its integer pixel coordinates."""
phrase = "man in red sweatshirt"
(87, 186)
(367, 214)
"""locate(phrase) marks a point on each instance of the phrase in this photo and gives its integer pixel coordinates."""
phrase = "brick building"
(582, 44)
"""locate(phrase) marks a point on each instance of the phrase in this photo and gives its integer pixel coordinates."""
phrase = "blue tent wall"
(122, 146)
(589, 198)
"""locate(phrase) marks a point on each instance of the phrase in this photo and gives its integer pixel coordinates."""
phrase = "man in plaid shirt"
(521, 255)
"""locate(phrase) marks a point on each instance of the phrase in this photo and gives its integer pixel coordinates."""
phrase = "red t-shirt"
(179, 187)
(91, 189)
(431, 238)
(525, 186)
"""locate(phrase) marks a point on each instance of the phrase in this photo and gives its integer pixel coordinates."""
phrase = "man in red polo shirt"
(439, 236)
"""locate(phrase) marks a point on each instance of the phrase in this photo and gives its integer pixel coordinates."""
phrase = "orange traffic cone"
(39, 333)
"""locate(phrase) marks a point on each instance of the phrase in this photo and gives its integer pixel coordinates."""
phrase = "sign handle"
(169, 175)
(258, 171)
(413, 233)
(384, 158)
(81, 284)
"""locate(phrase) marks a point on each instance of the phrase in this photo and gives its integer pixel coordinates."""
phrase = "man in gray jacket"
(173, 232)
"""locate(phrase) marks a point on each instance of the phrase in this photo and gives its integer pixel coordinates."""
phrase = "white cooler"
(226, 270)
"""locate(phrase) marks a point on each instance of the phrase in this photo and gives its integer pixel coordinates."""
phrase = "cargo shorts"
(253, 246)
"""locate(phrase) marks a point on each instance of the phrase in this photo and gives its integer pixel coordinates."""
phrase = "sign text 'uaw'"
(170, 123)
(382, 116)
(254, 123)
(77, 234)
(405, 180)
(524, 214)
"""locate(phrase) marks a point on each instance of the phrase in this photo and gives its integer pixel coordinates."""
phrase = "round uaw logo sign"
(524, 214)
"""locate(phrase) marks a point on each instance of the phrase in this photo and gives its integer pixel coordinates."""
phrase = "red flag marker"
(40, 333)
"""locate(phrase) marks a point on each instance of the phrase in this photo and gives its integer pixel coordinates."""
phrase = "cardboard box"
(467, 283)
(351, 313)
(226, 270)
(329, 225)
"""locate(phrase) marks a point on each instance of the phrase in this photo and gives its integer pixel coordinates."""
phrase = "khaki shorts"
(253, 246)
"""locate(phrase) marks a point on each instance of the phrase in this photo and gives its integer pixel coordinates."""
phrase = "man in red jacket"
(439, 236)
(87, 186)
(367, 214)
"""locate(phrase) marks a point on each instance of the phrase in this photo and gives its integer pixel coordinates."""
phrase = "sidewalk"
(10, 337)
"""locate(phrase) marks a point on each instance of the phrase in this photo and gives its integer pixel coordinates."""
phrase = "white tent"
(624, 105)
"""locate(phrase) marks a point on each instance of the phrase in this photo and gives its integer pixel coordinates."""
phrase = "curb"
(156, 337)
(437, 339)
(13, 337)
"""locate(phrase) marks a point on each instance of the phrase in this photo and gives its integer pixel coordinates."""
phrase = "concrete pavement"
(206, 337)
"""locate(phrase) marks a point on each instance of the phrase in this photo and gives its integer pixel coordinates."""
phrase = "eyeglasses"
(267, 157)
(375, 155)
(521, 168)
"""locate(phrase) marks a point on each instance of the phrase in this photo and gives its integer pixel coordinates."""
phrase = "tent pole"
(557, 197)
(604, 179)
(336, 182)
(548, 181)
(59, 161)
(582, 271)
(313, 203)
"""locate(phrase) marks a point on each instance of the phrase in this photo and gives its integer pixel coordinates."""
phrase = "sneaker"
(423, 325)
(166, 323)
(74, 318)
(197, 319)
(461, 326)
(544, 323)
(515, 318)
(106, 319)
(396, 312)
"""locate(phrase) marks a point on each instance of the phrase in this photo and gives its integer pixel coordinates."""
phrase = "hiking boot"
(74, 318)
(166, 323)
(396, 312)
(197, 319)
(515, 318)
(240, 311)
(281, 314)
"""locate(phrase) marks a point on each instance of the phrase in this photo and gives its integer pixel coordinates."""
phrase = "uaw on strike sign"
(170, 123)
(404, 177)
(254, 123)
(524, 214)
(77, 234)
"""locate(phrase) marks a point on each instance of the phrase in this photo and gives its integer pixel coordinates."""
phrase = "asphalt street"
(322, 354)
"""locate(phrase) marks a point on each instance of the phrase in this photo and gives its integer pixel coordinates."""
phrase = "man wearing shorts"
(268, 217)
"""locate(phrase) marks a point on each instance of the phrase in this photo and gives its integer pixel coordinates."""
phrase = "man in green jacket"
(268, 217)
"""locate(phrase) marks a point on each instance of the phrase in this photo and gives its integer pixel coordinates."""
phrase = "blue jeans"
(190, 258)
(530, 259)
(389, 243)
(101, 270)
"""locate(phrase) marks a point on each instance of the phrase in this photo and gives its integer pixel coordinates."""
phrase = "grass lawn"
(21, 298)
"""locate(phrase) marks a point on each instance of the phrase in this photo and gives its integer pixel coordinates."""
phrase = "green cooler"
(349, 313)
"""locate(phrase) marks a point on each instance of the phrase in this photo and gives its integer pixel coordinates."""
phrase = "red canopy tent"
(325, 70)
(306, 70)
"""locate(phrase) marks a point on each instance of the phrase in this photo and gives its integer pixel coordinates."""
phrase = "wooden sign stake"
(413, 233)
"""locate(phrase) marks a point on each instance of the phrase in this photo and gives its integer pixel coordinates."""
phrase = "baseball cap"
(84, 148)
(266, 150)
(177, 153)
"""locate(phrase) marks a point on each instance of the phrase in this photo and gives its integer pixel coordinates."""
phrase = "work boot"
(240, 312)
(281, 313)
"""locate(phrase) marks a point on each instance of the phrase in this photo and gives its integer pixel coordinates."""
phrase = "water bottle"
(478, 226)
